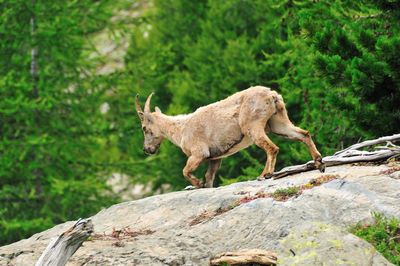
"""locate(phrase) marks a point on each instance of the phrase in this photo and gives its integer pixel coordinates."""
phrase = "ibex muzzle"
(152, 133)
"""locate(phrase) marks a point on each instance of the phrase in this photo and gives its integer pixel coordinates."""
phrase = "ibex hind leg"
(212, 169)
(281, 125)
(253, 119)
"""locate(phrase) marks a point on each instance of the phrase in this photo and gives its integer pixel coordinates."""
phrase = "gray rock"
(313, 226)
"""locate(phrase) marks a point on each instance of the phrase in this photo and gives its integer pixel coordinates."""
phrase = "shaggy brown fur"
(223, 128)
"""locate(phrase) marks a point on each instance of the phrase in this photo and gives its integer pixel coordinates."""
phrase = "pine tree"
(49, 113)
(357, 57)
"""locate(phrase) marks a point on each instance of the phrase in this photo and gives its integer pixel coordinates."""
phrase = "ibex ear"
(158, 110)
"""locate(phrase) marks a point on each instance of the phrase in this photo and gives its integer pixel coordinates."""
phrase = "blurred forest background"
(69, 72)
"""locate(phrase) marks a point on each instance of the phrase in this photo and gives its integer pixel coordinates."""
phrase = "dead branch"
(351, 154)
(61, 248)
(395, 137)
(240, 257)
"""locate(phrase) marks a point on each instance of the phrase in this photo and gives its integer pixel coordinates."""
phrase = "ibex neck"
(171, 126)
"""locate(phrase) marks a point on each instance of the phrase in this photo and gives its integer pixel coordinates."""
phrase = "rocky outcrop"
(190, 227)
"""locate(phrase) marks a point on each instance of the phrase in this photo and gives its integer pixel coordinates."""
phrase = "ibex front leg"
(191, 165)
(261, 140)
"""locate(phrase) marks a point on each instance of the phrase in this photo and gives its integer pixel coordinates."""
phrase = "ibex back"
(223, 128)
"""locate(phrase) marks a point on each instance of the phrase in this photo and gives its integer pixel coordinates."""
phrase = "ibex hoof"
(261, 178)
(320, 166)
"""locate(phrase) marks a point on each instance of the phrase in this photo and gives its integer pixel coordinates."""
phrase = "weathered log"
(248, 256)
(362, 157)
(395, 137)
(350, 155)
(61, 248)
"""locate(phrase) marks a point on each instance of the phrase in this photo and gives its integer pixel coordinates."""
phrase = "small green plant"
(383, 234)
(285, 193)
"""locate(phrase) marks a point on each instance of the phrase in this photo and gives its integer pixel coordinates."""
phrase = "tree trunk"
(63, 247)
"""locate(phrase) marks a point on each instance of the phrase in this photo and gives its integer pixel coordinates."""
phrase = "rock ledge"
(309, 229)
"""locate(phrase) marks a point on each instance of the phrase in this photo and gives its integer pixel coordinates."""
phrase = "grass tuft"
(383, 234)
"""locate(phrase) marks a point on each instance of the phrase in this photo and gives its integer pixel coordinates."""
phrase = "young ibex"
(223, 128)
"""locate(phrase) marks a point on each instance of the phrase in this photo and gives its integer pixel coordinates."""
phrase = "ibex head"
(152, 132)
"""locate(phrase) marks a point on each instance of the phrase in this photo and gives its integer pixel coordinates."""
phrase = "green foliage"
(15, 229)
(49, 115)
(356, 57)
(383, 234)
